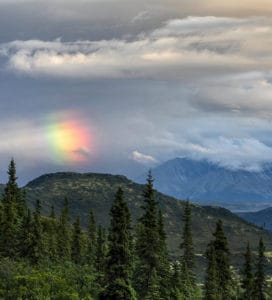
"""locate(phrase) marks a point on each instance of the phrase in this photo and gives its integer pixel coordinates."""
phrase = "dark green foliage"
(247, 276)
(101, 256)
(63, 232)
(175, 283)
(222, 262)
(91, 247)
(188, 279)
(26, 236)
(153, 290)
(147, 243)
(52, 213)
(76, 251)
(118, 269)
(163, 270)
(259, 280)
(13, 213)
(211, 280)
(50, 227)
(37, 245)
(218, 283)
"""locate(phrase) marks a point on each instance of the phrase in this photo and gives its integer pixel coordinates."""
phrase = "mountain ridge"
(207, 183)
(96, 191)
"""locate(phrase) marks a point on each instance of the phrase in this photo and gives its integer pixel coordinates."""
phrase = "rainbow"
(69, 139)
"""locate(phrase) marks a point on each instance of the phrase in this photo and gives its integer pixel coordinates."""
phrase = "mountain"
(96, 191)
(207, 183)
(262, 218)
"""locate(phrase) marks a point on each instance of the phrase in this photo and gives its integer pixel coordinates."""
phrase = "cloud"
(182, 49)
(142, 158)
(83, 151)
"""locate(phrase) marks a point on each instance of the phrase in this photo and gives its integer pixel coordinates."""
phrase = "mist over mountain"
(207, 183)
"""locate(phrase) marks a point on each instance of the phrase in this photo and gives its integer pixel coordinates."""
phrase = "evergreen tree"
(163, 271)
(26, 236)
(91, 239)
(247, 276)
(51, 236)
(211, 282)
(260, 283)
(118, 270)
(64, 240)
(76, 242)
(101, 256)
(223, 271)
(153, 291)
(13, 212)
(175, 283)
(52, 212)
(37, 243)
(218, 275)
(187, 260)
(148, 242)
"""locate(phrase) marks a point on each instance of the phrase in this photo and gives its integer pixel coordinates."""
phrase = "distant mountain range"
(262, 218)
(207, 183)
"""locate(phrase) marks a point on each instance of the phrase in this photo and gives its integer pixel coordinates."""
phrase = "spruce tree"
(147, 243)
(175, 283)
(51, 232)
(13, 213)
(118, 269)
(76, 252)
(163, 271)
(101, 256)
(26, 236)
(153, 291)
(260, 283)
(37, 243)
(52, 212)
(223, 271)
(188, 279)
(211, 281)
(91, 239)
(247, 275)
(63, 234)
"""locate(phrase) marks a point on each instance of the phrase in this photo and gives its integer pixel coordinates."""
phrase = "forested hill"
(96, 191)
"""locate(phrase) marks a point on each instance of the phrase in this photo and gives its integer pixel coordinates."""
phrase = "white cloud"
(142, 158)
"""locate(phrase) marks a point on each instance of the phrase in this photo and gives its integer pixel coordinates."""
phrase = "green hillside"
(96, 191)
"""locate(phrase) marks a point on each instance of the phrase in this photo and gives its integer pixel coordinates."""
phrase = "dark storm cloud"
(150, 81)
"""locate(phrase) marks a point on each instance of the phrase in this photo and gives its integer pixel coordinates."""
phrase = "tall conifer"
(259, 280)
(76, 252)
(91, 247)
(223, 271)
(188, 279)
(247, 275)
(101, 256)
(118, 269)
(211, 280)
(37, 244)
(13, 212)
(64, 239)
(148, 242)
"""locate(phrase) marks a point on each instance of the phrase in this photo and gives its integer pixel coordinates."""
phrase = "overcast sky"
(121, 86)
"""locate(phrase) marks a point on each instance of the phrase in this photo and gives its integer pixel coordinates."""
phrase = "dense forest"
(53, 257)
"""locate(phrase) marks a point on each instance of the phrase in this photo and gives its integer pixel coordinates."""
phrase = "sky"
(120, 86)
